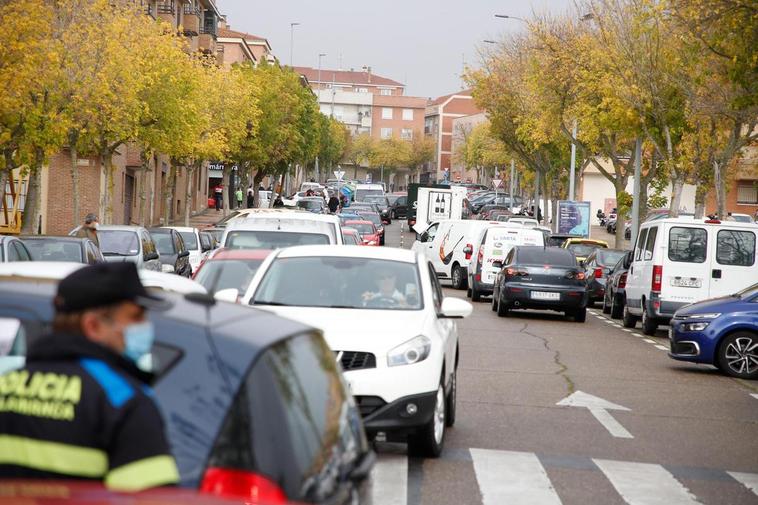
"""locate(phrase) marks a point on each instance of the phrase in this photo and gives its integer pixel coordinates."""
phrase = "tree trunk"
(718, 174)
(545, 200)
(190, 172)
(700, 194)
(676, 195)
(620, 216)
(144, 158)
(32, 208)
(227, 178)
(168, 194)
(74, 167)
(106, 159)
(257, 178)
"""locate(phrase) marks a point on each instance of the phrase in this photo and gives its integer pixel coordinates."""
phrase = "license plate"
(543, 295)
(686, 282)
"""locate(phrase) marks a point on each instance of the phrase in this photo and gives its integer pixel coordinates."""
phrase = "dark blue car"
(722, 332)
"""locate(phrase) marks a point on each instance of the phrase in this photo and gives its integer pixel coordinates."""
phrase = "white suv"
(383, 314)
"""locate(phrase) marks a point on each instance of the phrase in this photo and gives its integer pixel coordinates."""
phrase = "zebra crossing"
(523, 478)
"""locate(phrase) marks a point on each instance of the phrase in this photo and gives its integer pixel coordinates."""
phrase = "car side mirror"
(226, 295)
(184, 254)
(497, 264)
(455, 308)
(151, 256)
(424, 237)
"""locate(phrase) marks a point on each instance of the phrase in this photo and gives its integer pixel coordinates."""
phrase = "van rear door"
(732, 260)
(685, 265)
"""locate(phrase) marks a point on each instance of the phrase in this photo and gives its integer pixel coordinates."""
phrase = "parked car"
(678, 261)
(383, 204)
(13, 249)
(492, 198)
(363, 190)
(129, 243)
(597, 266)
(377, 220)
(314, 204)
(491, 211)
(545, 278)
(229, 269)
(722, 332)
(197, 248)
(367, 230)
(282, 229)
(398, 205)
(557, 239)
(174, 256)
(54, 248)
(615, 287)
(402, 364)
(583, 247)
(238, 389)
(350, 236)
(493, 244)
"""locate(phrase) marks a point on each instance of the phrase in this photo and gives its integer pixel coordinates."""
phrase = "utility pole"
(537, 195)
(513, 175)
(333, 93)
(573, 163)
(321, 55)
(292, 40)
(636, 190)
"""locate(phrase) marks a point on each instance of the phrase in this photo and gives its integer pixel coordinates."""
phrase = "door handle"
(716, 273)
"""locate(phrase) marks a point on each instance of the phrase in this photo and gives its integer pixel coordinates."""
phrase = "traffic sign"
(497, 182)
(339, 174)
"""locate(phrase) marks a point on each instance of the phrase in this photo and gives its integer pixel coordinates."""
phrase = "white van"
(493, 244)
(363, 190)
(269, 230)
(678, 261)
(449, 245)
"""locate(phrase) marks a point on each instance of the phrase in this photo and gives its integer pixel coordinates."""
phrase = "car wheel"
(580, 315)
(617, 307)
(606, 307)
(649, 325)
(629, 320)
(502, 308)
(459, 281)
(738, 355)
(428, 440)
(469, 293)
(452, 397)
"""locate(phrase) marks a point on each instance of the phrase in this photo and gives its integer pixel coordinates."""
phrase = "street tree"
(390, 154)
(359, 151)
(422, 151)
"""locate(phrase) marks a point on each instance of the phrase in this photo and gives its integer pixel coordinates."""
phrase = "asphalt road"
(658, 432)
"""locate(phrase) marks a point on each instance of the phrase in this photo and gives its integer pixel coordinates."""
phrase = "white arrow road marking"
(645, 483)
(599, 408)
(389, 482)
(661, 347)
(511, 477)
(754, 396)
(749, 480)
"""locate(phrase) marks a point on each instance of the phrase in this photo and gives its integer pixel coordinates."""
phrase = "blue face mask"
(138, 340)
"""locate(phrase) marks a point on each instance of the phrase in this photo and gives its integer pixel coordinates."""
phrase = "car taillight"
(657, 278)
(480, 256)
(470, 249)
(622, 280)
(598, 273)
(243, 485)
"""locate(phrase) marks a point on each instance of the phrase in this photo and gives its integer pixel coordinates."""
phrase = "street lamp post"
(573, 163)
(321, 55)
(292, 39)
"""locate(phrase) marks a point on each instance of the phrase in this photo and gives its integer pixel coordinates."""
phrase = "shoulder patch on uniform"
(116, 388)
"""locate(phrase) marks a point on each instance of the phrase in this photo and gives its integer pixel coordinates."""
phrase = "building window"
(407, 114)
(386, 112)
(386, 92)
(747, 194)
(386, 133)
(339, 112)
(406, 134)
(361, 90)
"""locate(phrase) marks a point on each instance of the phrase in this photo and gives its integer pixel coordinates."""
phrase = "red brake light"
(239, 484)
(480, 256)
(657, 278)
(622, 280)
(470, 250)
(598, 273)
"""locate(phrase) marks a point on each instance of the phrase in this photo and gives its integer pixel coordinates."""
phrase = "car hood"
(722, 304)
(368, 330)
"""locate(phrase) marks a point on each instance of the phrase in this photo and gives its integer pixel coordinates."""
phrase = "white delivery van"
(678, 261)
(363, 190)
(449, 245)
(493, 244)
(276, 230)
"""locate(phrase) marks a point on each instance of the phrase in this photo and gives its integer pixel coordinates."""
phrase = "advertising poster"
(574, 218)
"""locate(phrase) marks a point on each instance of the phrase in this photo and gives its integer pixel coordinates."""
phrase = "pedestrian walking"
(81, 408)
(278, 202)
(88, 229)
(333, 204)
(239, 196)
(218, 193)
(250, 197)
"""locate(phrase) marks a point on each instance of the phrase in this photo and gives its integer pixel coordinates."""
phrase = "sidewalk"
(203, 219)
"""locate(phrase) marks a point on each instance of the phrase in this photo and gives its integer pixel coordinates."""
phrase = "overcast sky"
(420, 42)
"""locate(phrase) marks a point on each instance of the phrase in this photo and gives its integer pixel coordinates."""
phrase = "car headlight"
(415, 350)
(711, 315)
(695, 326)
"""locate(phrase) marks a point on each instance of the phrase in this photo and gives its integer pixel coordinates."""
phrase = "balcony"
(206, 42)
(191, 20)
(167, 11)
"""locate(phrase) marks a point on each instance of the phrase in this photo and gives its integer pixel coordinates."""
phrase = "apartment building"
(438, 124)
(241, 47)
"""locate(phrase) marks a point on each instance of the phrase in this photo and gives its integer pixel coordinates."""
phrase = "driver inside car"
(387, 295)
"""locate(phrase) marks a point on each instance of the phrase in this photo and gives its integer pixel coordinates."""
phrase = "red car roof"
(355, 221)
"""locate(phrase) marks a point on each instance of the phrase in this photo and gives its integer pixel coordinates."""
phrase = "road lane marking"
(645, 483)
(599, 408)
(628, 330)
(649, 341)
(512, 477)
(754, 395)
(749, 480)
(661, 347)
(389, 483)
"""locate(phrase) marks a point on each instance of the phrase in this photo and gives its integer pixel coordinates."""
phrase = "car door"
(444, 327)
(686, 264)
(182, 255)
(634, 277)
(149, 251)
(732, 265)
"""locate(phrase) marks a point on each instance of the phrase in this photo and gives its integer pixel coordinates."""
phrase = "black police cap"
(104, 284)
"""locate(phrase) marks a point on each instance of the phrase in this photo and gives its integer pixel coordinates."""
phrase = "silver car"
(129, 243)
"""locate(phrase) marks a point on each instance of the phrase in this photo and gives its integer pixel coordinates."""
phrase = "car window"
(640, 245)
(436, 289)
(735, 247)
(545, 256)
(190, 240)
(291, 419)
(164, 243)
(118, 242)
(178, 243)
(225, 274)
(263, 239)
(609, 257)
(401, 201)
(205, 241)
(652, 234)
(432, 231)
(688, 245)
(22, 252)
(13, 253)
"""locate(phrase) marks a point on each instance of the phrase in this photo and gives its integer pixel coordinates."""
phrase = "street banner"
(574, 218)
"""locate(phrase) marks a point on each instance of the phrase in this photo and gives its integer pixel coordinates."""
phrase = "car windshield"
(311, 204)
(340, 282)
(190, 240)
(609, 258)
(164, 242)
(363, 228)
(54, 250)
(381, 200)
(225, 274)
(742, 218)
(582, 249)
(361, 194)
(392, 198)
(373, 217)
(545, 256)
(266, 239)
(118, 242)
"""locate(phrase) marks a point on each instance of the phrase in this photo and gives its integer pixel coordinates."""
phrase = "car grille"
(356, 360)
(367, 405)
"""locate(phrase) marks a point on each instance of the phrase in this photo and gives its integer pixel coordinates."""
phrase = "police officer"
(81, 408)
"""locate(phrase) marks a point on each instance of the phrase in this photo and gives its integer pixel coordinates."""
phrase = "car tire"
(580, 315)
(502, 309)
(606, 307)
(628, 319)
(429, 439)
(451, 400)
(735, 356)
(649, 325)
(469, 293)
(458, 277)
(617, 307)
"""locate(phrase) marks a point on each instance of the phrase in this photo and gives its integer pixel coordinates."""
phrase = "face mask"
(138, 340)
(95, 226)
